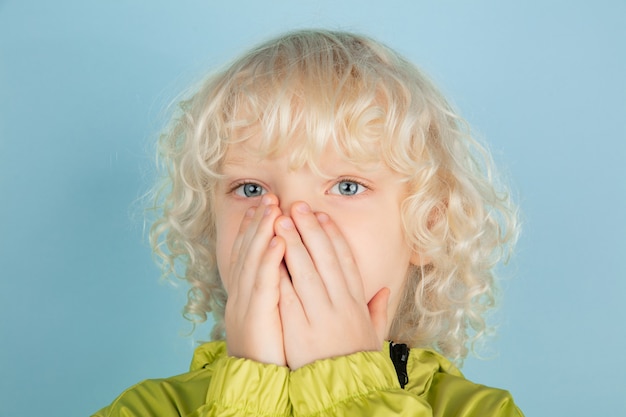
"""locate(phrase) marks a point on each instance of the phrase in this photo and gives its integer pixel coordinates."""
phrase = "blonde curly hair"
(371, 104)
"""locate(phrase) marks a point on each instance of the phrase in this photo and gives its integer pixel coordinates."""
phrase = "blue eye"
(249, 190)
(348, 188)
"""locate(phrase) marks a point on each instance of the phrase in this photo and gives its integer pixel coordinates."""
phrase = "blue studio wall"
(83, 89)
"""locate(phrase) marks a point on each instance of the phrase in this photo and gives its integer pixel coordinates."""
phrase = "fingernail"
(286, 223)
(267, 211)
(322, 217)
(250, 212)
(267, 200)
(303, 208)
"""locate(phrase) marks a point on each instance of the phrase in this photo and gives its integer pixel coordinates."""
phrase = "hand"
(252, 317)
(323, 307)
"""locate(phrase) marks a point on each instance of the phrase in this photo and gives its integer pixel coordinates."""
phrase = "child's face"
(364, 204)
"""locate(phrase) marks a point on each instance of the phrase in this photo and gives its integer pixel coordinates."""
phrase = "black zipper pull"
(399, 353)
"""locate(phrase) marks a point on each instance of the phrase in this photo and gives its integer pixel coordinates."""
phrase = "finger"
(253, 327)
(304, 276)
(378, 312)
(352, 276)
(250, 224)
(254, 243)
(236, 249)
(265, 288)
(320, 248)
(292, 312)
(257, 266)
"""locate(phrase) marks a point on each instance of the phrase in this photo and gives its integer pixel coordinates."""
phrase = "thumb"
(378, 312)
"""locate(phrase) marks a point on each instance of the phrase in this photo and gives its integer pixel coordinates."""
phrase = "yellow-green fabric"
(362, 384)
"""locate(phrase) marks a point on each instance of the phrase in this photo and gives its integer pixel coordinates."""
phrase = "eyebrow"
(236, 160)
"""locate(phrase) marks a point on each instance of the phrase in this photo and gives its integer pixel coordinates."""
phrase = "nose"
(287, 199)
(285, 205)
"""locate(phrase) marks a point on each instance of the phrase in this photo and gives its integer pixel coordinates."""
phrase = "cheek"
(382, 255)
(227, 228)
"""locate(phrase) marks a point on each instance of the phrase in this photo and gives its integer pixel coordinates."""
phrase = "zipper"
(399, 353)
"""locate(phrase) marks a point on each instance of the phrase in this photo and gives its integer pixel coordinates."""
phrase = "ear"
(419, 259)
(436, 214)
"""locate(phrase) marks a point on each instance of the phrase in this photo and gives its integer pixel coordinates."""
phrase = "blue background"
(83, 88)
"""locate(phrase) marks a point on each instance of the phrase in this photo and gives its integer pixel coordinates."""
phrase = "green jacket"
(362, 384)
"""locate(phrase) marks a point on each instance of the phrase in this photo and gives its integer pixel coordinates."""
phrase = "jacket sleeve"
(455, 396)
(228, 387)
(362, 384)
(241, 387)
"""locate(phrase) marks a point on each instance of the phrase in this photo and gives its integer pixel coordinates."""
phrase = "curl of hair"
(311, 89)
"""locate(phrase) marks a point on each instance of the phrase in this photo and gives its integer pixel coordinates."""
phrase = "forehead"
(303, 113)
(254, 144)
